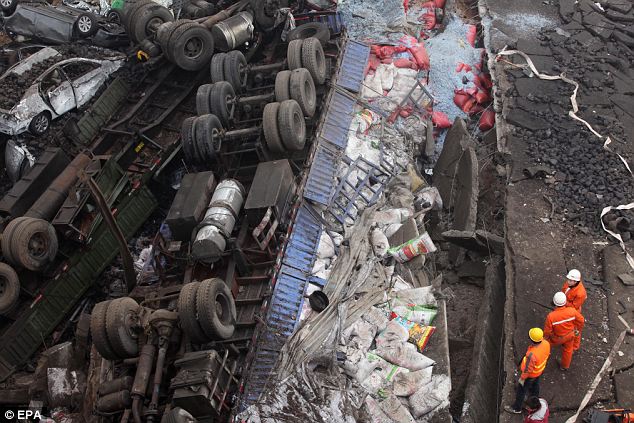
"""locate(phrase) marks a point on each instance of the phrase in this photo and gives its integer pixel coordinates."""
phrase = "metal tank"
(220, 218)
(233, 32)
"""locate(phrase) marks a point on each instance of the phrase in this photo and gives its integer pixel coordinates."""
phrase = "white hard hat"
(559, 299)
(574, 275)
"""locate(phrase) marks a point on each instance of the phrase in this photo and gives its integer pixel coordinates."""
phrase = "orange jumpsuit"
(559, 329)
(575, 297)
(535, 359)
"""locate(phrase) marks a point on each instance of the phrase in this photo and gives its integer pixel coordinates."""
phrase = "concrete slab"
(624, 387)
(445, 170)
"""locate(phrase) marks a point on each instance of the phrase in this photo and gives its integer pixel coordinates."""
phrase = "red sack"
(404, 63)
(440, 120)
(485, 78)
(373, 63)
(471, 35)
(482, 97)
(420, 55)
(440, 4)
(430, 19)
(487, 120)
(460, 98)
(406, 5)
(459, 67)
(475, 108)
(387, 60)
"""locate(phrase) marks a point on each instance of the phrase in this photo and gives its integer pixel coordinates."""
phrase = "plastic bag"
(394, 332)
(380, 244)
(416, 313)
(406, 384)
(428, 199)
(418, 334)
(391, 216)
(422, 295)
(326, 247)
(413, 248)
(404, 355)
(395, 410)
(431, 397)
(377, 318)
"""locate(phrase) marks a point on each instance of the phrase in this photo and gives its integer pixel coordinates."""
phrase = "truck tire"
(122, 316)
(114, 16)
(314, 59)
(169, 35)
(128, 11)
(187, 140)
(187, 313)
(34, 244)
(147, 20)
(98, 331)
(192, 11)
(235, 70)
(312, 29)
(162, 33)
(86, 25)
(207, 8)
(202, 99)
(290, 121)
(270, 128)
(216, 309)
(207, 129)
(302, 90)
(294, 54)
(218, 67)
(7, 236)
(9, 288)
(191, 46)
(282, 86)
(220, 98)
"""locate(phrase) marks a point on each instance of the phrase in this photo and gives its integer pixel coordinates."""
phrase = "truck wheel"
(122, 317)
(302, 90)
(290, 121)
(216, 309)
(9, 288)
(40, 124)
(98, 331)
(86, 25)
(130, 7)
(169, 35)
(235, 70)
(162, 33)
(187, 313)
(192, 47)
(312, 29)
(218, 67)
(282, 86)
(208, 136)
(207, 8)
(202, 99)
(187, 140)
(294, 54)
(192, 11)
(8, 6)
(34, 244)
(271, 130)
(147, 20)
(220, 101)
(7, 236)
(314, 59)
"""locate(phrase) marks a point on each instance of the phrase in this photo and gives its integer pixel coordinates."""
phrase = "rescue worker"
(620, 416)
(561, 327)
(575, 291)
(538, 411)
(531, 368)
(575, 296)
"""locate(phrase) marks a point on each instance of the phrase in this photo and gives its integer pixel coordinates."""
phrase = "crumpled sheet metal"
(14, 160)
(46, 28)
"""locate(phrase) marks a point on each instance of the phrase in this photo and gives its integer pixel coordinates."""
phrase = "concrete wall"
(484, 382)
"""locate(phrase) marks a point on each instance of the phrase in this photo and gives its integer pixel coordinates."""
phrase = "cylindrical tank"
(233, 32)
(116, 385)
(47, 206)
(114, 402)
(220, 218)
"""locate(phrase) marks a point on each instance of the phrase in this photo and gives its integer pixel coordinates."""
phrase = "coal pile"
(586, 177)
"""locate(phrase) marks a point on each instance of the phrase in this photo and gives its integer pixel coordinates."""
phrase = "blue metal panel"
(317, 281)
(303, 242)
(352, 69)
(338, 119)
(321, 178)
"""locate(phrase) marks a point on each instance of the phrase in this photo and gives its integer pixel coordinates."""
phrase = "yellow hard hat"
(536, 334)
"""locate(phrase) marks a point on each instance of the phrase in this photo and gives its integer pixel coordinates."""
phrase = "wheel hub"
(3, 286)
(84, 24)
(193, 48)
(38, 245)
(41, 124)
(5, 3)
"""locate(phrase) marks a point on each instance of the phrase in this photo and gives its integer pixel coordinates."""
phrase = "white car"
(64, 86)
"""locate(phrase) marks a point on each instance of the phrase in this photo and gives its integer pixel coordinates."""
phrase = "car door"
(86, 77)
(57, 91)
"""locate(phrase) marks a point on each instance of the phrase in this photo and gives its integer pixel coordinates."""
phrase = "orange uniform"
(535, 359)
(559, 329)
(575, 297)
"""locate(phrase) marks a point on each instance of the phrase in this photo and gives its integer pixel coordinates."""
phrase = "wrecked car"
(59, 24)
(64, 86)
